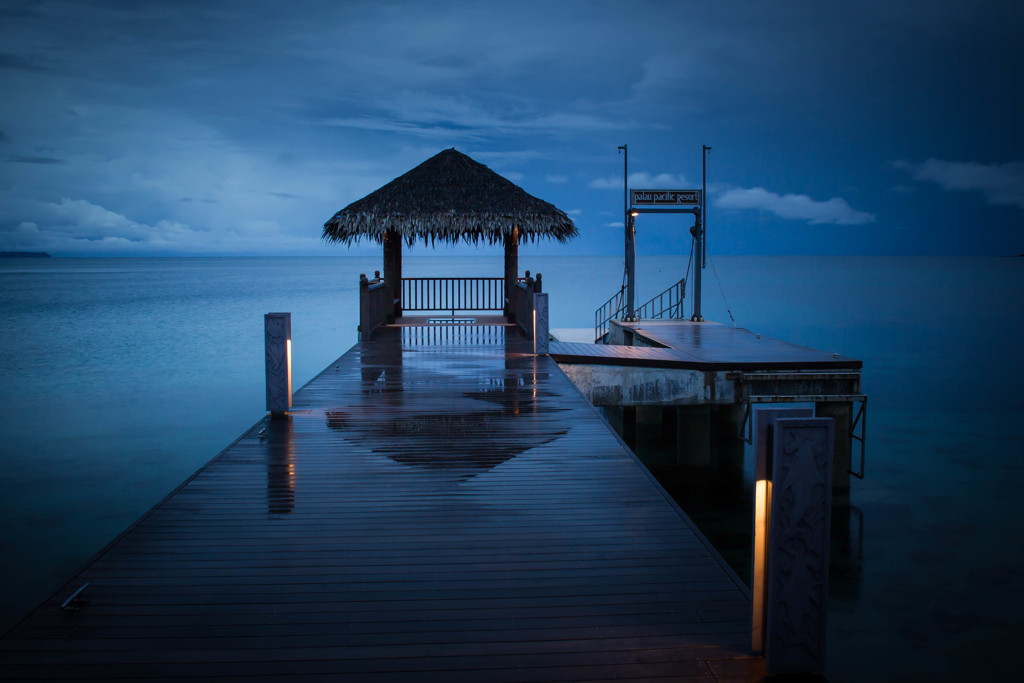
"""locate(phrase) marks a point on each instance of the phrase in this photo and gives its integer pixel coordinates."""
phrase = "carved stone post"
(798, 545)
(277, 329)
(540, 322)
(763, 418)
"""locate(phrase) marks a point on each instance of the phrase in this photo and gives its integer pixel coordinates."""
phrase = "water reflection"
(719, 496)
(280, 466)
(444, 398)
(846, 568)
(452, 335)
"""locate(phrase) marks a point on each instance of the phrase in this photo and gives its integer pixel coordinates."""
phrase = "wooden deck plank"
(442, 505)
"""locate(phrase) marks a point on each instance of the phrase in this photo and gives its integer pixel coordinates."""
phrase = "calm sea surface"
(121, 377)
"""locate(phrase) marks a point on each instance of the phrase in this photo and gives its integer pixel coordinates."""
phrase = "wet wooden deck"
(442, 506)
(702, 346)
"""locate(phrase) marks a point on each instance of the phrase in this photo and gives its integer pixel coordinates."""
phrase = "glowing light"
(288, 353)
(762, 507)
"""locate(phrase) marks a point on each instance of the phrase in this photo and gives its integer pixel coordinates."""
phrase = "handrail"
(375, 305)
(521, 301)
(667, 304)
(612, 309)
(453, 294)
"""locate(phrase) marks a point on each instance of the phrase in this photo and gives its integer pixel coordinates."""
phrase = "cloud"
(90, 221)
(34, 160)
(81, 227)
(574, 212)
(19, 63)
(794, 206)
(507, 156)
(432, 115)
(556, 178)
(643, 180)
(1002, 184)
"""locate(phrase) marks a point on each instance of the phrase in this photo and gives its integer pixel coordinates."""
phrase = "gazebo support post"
(511, 269)
(393, 270)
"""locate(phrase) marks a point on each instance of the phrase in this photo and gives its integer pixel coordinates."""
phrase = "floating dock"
(441, 504)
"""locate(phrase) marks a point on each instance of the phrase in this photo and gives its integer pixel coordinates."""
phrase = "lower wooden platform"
(442, 505)
(699, 346)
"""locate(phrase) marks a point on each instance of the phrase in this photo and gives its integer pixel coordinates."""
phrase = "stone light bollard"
(277, 328)
(798, 532)
(540, 324)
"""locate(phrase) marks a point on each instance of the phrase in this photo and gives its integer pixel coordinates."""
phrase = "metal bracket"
(746, 434)
(74, 603)
(862, 418)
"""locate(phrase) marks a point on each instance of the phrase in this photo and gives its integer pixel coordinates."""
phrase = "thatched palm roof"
(449, 197)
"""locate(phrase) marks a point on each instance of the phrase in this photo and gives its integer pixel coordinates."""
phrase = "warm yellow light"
(635, 214)
(762, 503)
(288, 352)
(535, 331)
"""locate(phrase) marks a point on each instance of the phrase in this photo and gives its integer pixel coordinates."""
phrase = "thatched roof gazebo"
(451, 198)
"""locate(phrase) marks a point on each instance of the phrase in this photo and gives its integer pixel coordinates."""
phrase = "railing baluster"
(453, 294)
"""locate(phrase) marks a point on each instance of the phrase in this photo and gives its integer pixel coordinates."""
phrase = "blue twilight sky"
(220, 127)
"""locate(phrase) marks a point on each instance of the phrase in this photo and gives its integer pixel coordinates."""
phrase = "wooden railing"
(521, 302)
(453, 294)
(375, 305)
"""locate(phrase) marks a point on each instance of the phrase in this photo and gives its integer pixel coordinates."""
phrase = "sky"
(238, 127)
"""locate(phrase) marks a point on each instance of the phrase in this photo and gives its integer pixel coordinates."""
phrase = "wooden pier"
(441, 505)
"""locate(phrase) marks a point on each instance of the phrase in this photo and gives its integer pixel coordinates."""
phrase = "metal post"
(625, 180)
(698, 233)
(703, 200)
(628, 224)
(630, 267)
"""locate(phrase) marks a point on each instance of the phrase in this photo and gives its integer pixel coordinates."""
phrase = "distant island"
(24, 254)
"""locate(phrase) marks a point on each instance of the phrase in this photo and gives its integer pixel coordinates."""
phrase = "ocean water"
(121, 377)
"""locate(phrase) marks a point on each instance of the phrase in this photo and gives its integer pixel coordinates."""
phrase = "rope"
(719, 281)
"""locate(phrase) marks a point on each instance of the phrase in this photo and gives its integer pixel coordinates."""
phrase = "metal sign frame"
(646, 209)
(666, 198)
(697, 197)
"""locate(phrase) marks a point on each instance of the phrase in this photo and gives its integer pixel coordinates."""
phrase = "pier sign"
(665, 197)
